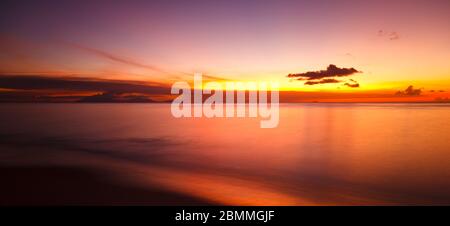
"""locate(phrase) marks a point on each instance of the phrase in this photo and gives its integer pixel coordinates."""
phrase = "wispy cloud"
(389, 35)
(117, 58)
(134, 63)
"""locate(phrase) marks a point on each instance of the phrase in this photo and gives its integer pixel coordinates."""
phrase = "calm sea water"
(319, 154)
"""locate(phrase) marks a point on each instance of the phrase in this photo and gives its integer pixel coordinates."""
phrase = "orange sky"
(393, 44)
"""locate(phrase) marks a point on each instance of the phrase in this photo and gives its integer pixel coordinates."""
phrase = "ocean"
(320, 154)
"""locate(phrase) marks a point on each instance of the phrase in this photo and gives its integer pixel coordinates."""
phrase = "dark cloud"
(116, 98)
(322, 81)
(352, 84)
(38, 88)
(326, 76)
(440, 91)
(78, 84)
(442, 99)
(410, 91)
(331, 71)
(65, 89)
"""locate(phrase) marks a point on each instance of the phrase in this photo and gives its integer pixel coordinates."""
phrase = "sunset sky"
(74, 49)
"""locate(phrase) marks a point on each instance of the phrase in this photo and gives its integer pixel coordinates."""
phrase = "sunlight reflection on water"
(319, 153)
